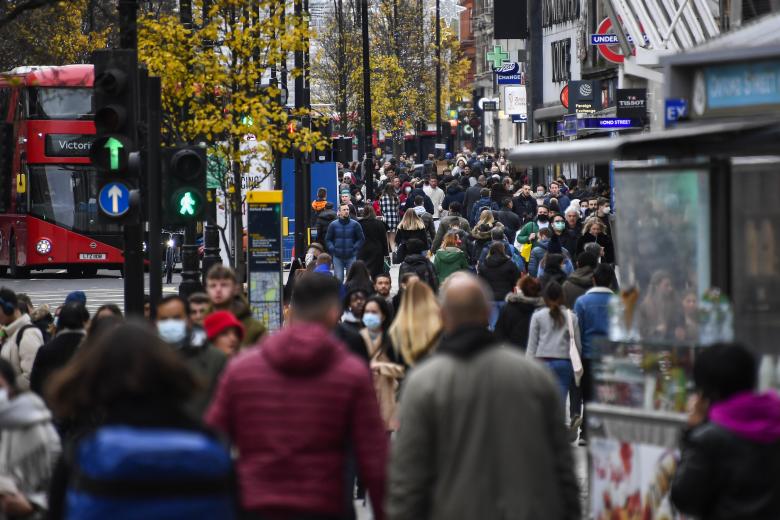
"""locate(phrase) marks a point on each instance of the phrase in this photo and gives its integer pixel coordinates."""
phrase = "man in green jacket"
(529, 233)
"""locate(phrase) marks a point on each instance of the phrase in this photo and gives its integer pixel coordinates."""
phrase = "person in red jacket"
(297, 408)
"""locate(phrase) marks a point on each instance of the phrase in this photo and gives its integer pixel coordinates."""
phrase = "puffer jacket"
(344, 238)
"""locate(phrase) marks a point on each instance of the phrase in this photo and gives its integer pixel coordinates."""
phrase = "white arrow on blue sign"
(114, 199)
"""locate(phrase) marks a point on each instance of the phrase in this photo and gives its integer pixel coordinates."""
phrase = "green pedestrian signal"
(187, 204)
(184, 184)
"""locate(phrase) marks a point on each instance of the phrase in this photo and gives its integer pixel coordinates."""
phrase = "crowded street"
(368, 260)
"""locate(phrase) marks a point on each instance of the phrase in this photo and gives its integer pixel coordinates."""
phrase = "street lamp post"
(438, 72)
(368, 160)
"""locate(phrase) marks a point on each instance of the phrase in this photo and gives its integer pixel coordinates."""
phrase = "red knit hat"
(217, 322)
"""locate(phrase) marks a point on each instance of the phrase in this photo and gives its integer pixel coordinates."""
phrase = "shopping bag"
(525, 252)
(574, 353)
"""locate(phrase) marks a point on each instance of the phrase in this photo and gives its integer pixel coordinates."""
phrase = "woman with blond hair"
(593, 231)
(417, 326)
(411, 226)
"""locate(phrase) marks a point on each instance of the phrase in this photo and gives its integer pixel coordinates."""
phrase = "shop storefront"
(696, 207)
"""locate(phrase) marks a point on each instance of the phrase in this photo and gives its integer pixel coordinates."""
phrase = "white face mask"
(172, 331)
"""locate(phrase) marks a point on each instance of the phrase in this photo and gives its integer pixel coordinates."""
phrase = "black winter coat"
(604, 241)
(453, 195)
(422, 267)
(514, 322)
(52, 356)
(511, 223)
(375, 247)
(402, 236)
(473, 194)
(324, 219)
(427, 202)
(723, 476)
(501, 274)
(524, 207)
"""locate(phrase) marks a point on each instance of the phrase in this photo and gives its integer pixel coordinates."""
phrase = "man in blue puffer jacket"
(344, 239)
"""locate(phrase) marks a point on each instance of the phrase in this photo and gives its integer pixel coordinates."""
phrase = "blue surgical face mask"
(372, 321)
(172, 331)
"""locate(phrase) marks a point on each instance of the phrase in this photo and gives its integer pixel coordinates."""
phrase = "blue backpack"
(124, 473)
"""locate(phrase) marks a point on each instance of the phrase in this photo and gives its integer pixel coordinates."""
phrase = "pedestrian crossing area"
(98, 291)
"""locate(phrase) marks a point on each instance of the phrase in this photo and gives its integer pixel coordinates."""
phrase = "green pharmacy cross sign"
(497, 56)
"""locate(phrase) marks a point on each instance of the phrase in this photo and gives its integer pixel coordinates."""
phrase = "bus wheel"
(89, 272)
(17, 271)
(74, 271)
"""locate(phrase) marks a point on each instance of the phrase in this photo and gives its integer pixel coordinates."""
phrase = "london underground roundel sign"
(610, 50)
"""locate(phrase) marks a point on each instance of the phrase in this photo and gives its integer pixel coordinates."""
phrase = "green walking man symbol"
(187, 204)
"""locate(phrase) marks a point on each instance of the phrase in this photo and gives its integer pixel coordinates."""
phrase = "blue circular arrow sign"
(114, 199)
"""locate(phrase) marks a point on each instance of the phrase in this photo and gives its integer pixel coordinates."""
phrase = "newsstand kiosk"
(697, 209)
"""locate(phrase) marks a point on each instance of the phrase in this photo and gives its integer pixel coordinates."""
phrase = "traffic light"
(184, 184)
(114, 152)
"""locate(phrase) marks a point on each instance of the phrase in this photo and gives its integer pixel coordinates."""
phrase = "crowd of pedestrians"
(443, 399)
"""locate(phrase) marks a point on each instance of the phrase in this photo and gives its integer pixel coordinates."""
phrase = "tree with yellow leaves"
(215, 86)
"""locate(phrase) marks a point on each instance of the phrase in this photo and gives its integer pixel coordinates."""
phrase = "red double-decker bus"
(48, 188)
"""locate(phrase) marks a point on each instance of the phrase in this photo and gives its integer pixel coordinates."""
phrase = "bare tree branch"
(19, 9)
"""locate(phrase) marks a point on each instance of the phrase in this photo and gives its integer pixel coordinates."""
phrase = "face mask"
(372, 321)
(606, 209)
(558, 226)
(539, 192)
(407, 190)
(172, 331)
(542, 218)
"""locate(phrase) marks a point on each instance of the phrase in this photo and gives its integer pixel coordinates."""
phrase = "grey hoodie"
(547, 339)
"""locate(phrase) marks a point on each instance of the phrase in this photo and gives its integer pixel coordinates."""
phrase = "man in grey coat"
(481, 434)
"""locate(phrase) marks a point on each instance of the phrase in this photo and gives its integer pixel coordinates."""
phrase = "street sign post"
(264, 256)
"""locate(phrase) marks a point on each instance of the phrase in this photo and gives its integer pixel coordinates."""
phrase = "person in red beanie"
(224, 331)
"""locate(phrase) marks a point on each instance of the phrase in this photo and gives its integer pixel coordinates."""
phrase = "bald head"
(465, 300)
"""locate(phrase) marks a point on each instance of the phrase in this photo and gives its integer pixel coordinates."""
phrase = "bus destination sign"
(68, 145)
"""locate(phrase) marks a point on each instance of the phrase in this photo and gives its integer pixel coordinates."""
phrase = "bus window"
(59, 103)
(5, 99)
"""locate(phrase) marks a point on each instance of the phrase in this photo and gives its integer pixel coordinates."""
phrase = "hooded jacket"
(29, 448)
(729, 466)
(453, 194)
(514, 321)
(577, 284)
(481, 236)
(295, 408)
(461, 453)
(500, 273)
(480, 206)
(445, 224)
(21, 348)
(422, 267)
(449, 260)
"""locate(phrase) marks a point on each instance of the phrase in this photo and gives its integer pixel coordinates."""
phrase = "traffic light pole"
(190, 272)
(153, 192)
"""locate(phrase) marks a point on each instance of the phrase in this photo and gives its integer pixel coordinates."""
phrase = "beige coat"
(481, 438)
(22, 356)
(385, 375)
